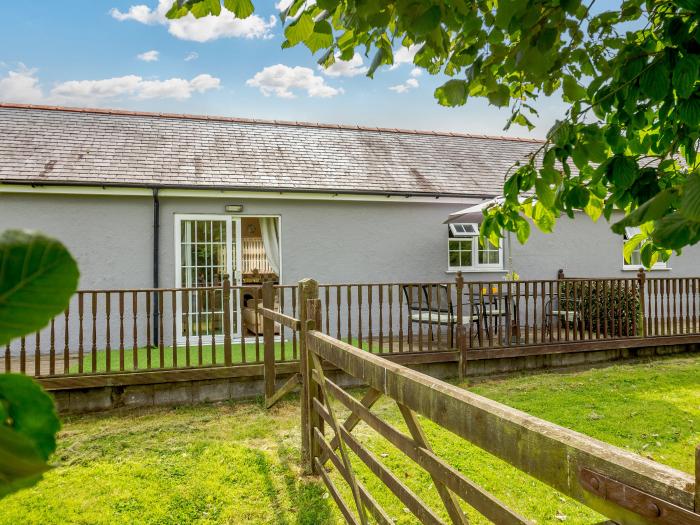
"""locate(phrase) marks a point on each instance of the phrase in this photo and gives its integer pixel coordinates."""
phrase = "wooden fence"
(622, 486)
(129, 330)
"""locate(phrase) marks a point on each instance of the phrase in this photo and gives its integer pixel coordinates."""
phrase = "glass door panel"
(207, 254)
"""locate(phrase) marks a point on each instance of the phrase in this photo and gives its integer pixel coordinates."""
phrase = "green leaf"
(572, 91)
(673, 231)
(655, 81)
(427, 21)
(653, 209)
(578, 197)
(240, 8)
(690, 202)
(631, 245)
(300, 29)
(37, 280)
(685, 74)
(321, 36)
(452, 93)
(594, 208)
(523, 231)
(27, 431)
(543, 218)
(499, 96)
(689, 111)
(544, 193)
(622, 171)
(690, 5)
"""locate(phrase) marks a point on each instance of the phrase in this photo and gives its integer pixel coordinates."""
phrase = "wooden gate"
(623, 486)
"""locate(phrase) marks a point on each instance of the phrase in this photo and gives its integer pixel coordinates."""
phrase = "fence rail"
(114, 331)
(623, 486)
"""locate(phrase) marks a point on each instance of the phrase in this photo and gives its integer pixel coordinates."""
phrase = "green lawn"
(253, 353)
(237, 463)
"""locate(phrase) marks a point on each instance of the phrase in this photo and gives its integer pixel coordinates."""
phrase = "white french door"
(207, 247)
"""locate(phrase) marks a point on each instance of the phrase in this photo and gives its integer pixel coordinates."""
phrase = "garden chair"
(432, 305)
(495, 310)
(565, 313)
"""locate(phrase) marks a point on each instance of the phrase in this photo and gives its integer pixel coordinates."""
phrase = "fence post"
(306, 289)
(697, 479)
(459, 325)
(642, 324)
(268, 301)
(315, 322)
(226, 299)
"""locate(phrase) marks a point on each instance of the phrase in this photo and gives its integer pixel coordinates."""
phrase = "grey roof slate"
(53, 145)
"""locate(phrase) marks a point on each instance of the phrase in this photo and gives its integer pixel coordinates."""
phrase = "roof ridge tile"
(243, 120)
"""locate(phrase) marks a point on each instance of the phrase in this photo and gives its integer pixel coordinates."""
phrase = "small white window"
(465, 253)
(464, 230)
(635, 262)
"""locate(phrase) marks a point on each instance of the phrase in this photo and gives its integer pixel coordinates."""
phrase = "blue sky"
(86, 53)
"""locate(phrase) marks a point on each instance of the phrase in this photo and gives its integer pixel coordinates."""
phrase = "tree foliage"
(629, 76)
(37, 278)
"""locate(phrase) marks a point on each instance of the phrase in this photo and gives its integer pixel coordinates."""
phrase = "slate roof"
(55, 145)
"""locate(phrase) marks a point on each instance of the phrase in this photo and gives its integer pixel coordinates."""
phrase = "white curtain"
(270, 237)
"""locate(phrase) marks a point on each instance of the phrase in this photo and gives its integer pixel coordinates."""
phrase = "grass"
(253, 354)
(237, 463)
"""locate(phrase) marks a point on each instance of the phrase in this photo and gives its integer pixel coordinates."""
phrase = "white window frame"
(630, 232)
(475, 266)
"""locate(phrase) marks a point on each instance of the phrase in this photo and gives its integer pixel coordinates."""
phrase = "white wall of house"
(339, 241)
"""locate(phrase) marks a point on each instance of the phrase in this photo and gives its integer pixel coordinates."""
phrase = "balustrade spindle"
(149, 341)
(23, 355)
(52, 348)
(200, 350)
(359, 316)
(135, 333)
(121, 331)
(108, 345)
(400, 294)
(185, 321)
(349, 307)
(81, 349)
(173, 329)
(369, 317)
(37, 353)
(66, 346)
(161, 331)
(390, 304)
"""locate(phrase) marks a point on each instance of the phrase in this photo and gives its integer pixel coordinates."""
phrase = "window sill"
(637, 268)
(478, 270)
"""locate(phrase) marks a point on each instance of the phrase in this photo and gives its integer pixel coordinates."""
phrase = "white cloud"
(281, 80)
(149, 56)
(416, 72)
(192, 55)
(204, 29)
(404, 55)
(341, 68)
(411, 83)
(283, 4)
(23, 86)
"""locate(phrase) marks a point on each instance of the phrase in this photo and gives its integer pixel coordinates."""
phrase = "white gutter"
(223, 194)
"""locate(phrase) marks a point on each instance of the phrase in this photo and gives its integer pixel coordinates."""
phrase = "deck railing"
(114, 331)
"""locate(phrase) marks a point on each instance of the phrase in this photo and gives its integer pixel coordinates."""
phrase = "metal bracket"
(654, 509)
